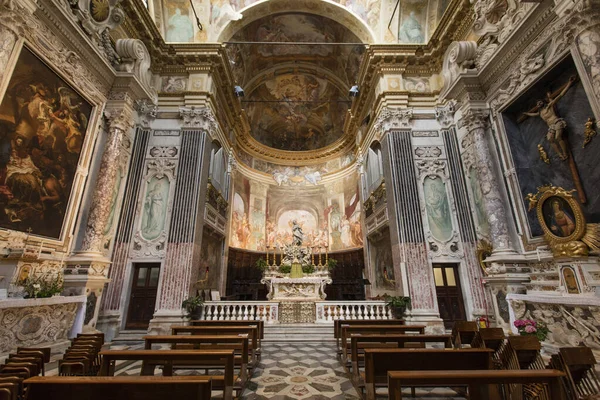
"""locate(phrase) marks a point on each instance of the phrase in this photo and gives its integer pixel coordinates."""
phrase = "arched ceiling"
(296, 70)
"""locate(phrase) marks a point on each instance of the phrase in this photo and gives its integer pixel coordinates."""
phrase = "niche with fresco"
(552, 151)
(43, 123)
(262, 214)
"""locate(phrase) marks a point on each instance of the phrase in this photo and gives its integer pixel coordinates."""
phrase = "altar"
(299, 281)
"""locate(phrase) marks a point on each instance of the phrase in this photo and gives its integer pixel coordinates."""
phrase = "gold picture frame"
(560, 215)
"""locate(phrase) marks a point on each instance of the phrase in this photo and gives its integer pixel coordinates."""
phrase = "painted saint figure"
(154, 206)
(556, 125)
(410, 30)
(561, 222)
(180, 28)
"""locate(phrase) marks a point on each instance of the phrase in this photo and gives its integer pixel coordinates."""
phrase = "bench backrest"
(119, 388)
(378, 362)
(337, 324)
(202, 341)
(218, 330)
(374, 341)
(258, 323)
(378, 330)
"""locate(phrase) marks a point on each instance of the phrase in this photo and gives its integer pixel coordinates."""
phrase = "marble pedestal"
(297, 296)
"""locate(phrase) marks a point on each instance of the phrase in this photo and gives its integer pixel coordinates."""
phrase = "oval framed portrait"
(560, 216)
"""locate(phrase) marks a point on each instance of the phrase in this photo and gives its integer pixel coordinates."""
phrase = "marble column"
(474, 141)
(86, 272)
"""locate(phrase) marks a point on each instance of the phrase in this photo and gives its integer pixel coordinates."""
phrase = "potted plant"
(308, 268)
(530, 327)
(398, 305)
(285, 269)
(193, 307)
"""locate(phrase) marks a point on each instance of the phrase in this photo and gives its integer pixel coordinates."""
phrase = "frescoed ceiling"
(296, 94)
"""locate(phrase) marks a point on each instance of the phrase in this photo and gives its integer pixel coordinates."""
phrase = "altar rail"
(241, 310)
(326, 311)
(331, 310)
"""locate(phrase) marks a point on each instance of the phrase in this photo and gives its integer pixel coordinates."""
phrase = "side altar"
(300, 279)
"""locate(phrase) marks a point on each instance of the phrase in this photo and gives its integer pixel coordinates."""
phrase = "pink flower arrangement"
(530, 327)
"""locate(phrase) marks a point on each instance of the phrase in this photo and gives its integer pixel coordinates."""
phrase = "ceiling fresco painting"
(412, 22)
(296, 112)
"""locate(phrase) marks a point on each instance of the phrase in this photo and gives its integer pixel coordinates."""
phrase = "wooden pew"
(119, 388)
(170, 359)
(464, 332)
(346, 331)
(251, 323)
(399, 341)
(477, 381)
(338, 323)
(378, 362)
(222, 330)
(578, 364)
(203, 342)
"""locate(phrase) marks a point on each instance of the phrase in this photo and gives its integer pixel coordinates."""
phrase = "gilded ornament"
(484, 250)
(562, 220)
(99, 9)
(543, 155)
(589, 131)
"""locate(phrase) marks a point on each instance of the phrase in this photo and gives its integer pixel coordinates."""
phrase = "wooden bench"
(172, 359)
(233, 322)
(338, 323)
(360, 342)
(252, 333)
(476, 381)
(346, 331)
(119, 388)
(579, 364)
(205, 342)
(464, 332)
(378, 362)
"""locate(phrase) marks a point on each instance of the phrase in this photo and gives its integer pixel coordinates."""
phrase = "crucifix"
(556, 130)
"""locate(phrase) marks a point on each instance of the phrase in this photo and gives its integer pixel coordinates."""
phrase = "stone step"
(299, 333)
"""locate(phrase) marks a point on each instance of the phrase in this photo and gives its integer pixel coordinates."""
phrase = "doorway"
(449, 293)
(143, 295)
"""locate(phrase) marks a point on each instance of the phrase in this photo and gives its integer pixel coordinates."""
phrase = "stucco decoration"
(136, 59)
(35, 325)
(202, 118)
(445, 114)
(393, 118)
(459, 58)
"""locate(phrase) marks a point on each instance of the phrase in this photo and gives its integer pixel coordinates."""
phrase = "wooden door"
(449, 293)
(143, 295)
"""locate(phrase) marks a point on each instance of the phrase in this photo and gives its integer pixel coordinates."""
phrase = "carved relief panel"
(156, 202)
(437, 206)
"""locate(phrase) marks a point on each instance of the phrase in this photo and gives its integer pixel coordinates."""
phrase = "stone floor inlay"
(299, 371)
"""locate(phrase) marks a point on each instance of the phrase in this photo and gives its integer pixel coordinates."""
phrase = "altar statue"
(297, 233)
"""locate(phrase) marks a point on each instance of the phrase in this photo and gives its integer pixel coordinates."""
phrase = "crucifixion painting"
(545, 109)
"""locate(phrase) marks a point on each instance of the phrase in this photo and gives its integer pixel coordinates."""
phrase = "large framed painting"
(43, 123)
(560, 216)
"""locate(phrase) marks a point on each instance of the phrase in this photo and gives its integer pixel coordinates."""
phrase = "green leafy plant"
(285, 269)
(398, 304)
(193, 306)
(42, 287)
(308, 269)
(331, 264)
(261, 264)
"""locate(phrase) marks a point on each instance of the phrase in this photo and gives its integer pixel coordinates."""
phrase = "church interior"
(299, 200)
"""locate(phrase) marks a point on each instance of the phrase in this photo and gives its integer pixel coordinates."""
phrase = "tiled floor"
(299, 371)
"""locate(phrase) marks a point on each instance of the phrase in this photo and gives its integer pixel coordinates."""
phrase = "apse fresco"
(528, 135)
(296, 112)
(42, 129)
(329, 215)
